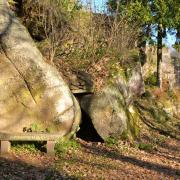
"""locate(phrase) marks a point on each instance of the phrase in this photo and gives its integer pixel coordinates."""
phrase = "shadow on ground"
(19, 170)
(166, 170)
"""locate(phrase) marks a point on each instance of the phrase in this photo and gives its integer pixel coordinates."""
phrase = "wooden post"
(5, 147)
(50, 147)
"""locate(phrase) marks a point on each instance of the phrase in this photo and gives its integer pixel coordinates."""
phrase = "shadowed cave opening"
(87, 131)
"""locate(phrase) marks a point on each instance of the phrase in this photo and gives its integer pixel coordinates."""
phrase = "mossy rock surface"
(112, 111)
(31, 91)
(107, 114)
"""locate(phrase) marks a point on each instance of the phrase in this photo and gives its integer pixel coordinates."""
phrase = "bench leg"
(50, 147)
(5, 147)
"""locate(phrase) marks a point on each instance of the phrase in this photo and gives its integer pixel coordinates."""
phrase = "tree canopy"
(162, 15)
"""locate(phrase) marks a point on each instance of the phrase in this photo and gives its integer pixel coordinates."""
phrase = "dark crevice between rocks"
(87, 131)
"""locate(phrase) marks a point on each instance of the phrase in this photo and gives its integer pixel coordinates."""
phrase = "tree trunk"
(159, 54)
(178, 40)
(36, 92)
(142, 43)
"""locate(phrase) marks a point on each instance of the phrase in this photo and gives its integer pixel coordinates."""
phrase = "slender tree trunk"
(142, 44)
(178, 39)
(159, 54)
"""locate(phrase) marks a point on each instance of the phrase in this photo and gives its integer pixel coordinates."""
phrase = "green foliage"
(63, 146)
(26, 146)
(147, 95)
(159, 140)
(171, 94)
(122, 64)
(125, 136)
(35, 127)
(165, 12)
(11, 2)
(139, 12)
(145, 147)
(158, 114)
(111, 141)
(134, 11)
(162, 14)
(151, 80)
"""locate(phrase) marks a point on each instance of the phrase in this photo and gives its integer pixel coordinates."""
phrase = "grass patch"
(145, 146)
(159, 140)
(63, 146)
(31, 147)
(151, 80)
(111, 141)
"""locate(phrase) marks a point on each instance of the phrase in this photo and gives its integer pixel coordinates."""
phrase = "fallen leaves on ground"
(96, 161)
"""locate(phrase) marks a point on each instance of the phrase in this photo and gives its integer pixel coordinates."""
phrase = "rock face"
(79, 82)
(107, 116)
(167, 71)
(32, 93)
(111, 111)
(176, 61)
(170, 67)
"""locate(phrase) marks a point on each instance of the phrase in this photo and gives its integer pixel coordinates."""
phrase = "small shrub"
(147, 94)
(27, 146)
(145, 147)
(111, 141)
(171, 94)
(151, 80)
(36, 127)
(160, 140)
(63, 146)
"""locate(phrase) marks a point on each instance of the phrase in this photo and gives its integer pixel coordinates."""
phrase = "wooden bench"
(50, 138)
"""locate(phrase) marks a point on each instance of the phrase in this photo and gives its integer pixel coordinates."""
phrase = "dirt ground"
(95, 160)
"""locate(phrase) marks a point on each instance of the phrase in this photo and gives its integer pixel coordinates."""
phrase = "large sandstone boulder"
(32, 93)
(107, 113)
(112, 111)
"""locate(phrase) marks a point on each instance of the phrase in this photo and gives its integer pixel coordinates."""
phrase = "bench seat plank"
(33, 136)
(51, 139)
